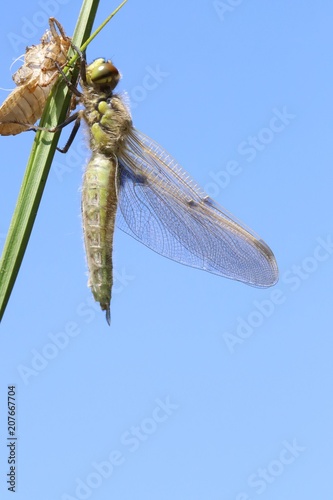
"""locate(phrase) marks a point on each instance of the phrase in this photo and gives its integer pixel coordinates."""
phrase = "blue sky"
(202, 388)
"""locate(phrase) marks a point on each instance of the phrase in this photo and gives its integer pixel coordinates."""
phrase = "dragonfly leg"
(83, 66)
(83, 61)
(75, 117)
(72, 86)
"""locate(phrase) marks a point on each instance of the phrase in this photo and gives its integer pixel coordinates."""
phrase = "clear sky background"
(202, 388)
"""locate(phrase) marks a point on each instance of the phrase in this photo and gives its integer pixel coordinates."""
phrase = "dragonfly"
(132, 182)
(35, 80)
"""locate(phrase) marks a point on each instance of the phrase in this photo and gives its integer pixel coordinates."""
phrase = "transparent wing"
(161, 206)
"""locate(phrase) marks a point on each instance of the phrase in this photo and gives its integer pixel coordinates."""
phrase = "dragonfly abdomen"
(99, 205)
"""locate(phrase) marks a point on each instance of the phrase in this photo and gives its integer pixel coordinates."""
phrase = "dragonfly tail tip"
(108, 315)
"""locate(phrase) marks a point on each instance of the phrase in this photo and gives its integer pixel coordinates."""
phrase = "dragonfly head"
(101, 73)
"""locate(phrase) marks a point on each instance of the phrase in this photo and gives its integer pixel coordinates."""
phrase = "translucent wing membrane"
(161, 206)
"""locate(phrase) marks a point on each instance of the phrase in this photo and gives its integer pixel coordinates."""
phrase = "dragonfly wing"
(159, 205)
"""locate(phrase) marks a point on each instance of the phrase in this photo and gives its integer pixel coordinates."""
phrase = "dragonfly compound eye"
(103, 72)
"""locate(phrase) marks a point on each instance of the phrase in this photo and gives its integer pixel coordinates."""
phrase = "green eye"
(102, 72)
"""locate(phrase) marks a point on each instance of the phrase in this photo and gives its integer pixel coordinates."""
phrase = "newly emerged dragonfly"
(131, 181)
(34, 80)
